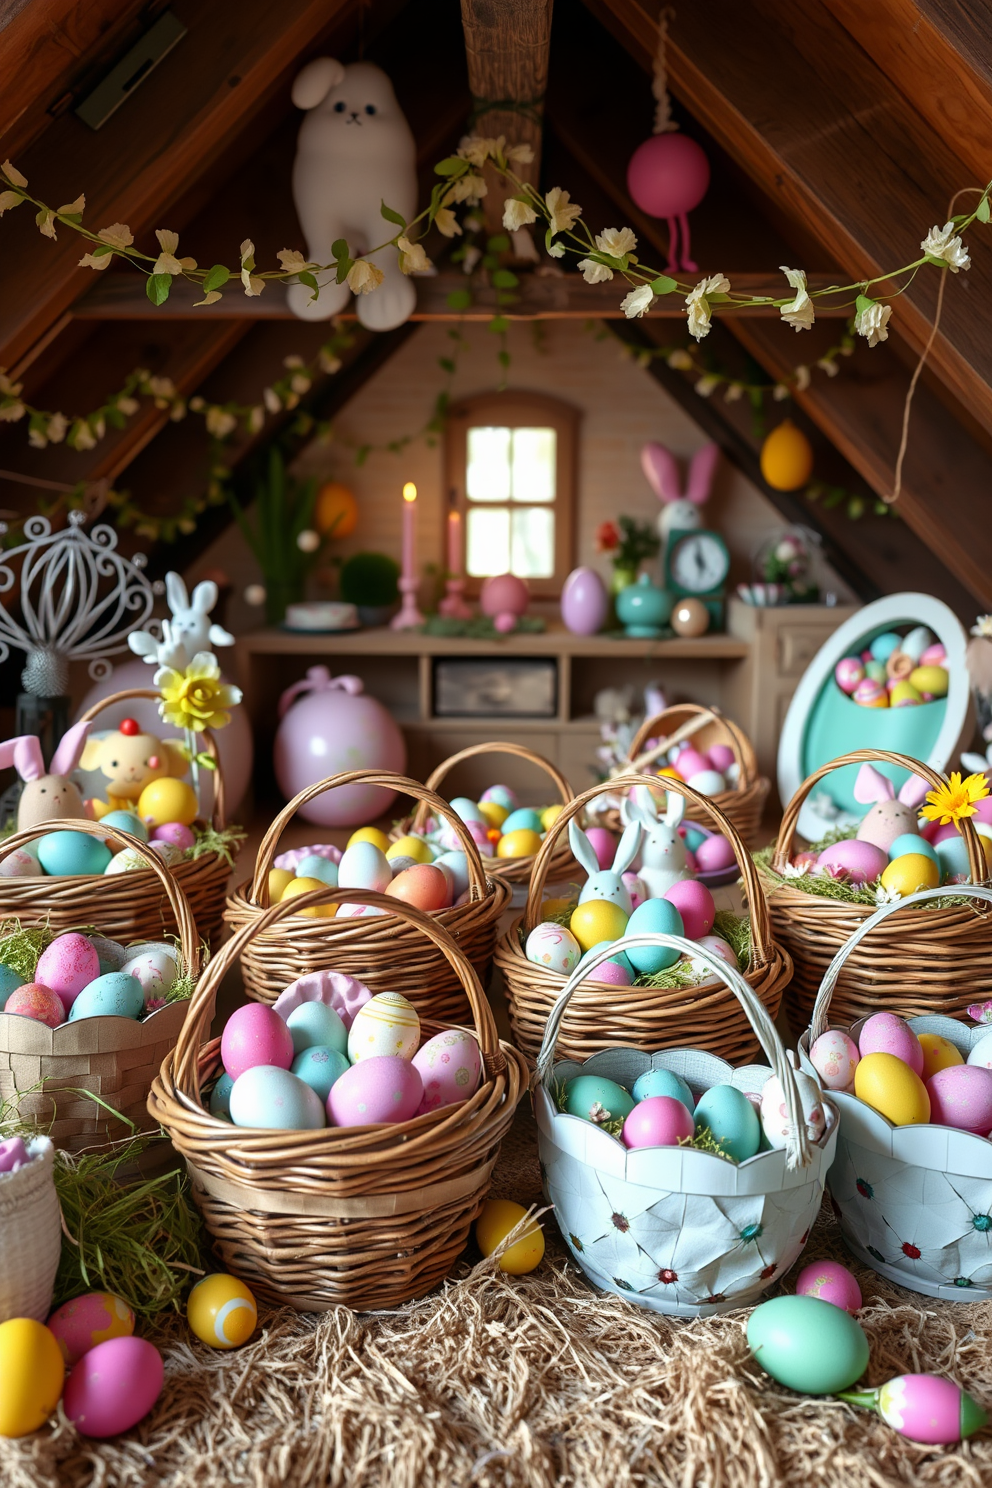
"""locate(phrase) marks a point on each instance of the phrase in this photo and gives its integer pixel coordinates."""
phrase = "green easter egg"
(585, 1093)
(808, 1345)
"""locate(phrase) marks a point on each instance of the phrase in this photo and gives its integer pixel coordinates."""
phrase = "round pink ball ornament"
(504, 598)
(668, 175)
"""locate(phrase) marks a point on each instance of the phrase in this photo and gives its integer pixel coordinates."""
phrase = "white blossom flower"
(95, 260)
(698, 303)
(520, 154)
(81, 436)
(58, 424)
(11, 412)
(803, 378)
(37, 438)
(197, 403)
(308, 541)
(161, 388)
(945, 243)
(13, 175)
(46, 222)
(300, 382)
(9, 199)
(128, 406)
(471, 258)
(74, 208)
(680, 360)
(364, 277)
(413, 259)
(167, 262)
(220, 422)
(593, 272)
(872, 322)
(327, 362)
(638, 302)
(707, 385)
(447, 223)
(887, 896)
(828, 365)
(118, 235)
(793, 870)
(557, 250)
(293, 360)
(256, 419)
(470, 188)
(292, 260)
(800, 312)
(616, 241)
(983, 627)
(252, 283)
(517, 213)
(563, 213)
(476, 149)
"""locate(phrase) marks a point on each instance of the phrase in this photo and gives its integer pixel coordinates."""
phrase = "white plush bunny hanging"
(680, 510)
(663, 853)
(188, 632)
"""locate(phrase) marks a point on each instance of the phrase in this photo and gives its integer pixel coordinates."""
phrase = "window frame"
(515, 409)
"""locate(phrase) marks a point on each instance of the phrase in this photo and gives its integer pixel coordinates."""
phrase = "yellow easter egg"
(670, 771)
(375, 835)
(168, 800)
(493, 814)
(410, 847)
(221, 1311)
(786, 458)
(904, 695)
(279, 881)
(305, 886)
(498, 1218)
(550, 815)
(911, 872)
(596, 920)
(893, 1089)
(985, 837)
(932, 679)
(32, 1373)
(938, 1053)
(520, 844)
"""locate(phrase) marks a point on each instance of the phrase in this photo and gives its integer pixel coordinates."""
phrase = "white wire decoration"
(68, 609)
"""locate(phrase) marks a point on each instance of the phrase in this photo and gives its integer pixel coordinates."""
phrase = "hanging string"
(663, 121)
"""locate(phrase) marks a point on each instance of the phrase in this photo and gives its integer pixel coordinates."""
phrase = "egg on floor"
(113, 1387)
(830, 1282)
(498, 1219)
(32, 1373)
(221, 1311)
(807, 1344)
(84, 1322)
(387, 1024)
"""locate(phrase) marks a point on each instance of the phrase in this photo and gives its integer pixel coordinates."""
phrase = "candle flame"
(409, 492)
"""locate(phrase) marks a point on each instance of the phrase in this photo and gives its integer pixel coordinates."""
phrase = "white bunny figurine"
(605, 883)
(680, 510)
(663, 853)
(978, 764)
(188, 632)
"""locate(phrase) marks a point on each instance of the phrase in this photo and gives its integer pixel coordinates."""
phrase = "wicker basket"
(384, 953)
(914, 1202)
(126, 906)
(672, 1228)
(641, 1017)
(510, 870)
(48, 1072)
(368, 1216)
(931, 961)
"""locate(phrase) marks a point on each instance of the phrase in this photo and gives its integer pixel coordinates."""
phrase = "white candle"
(409, 530)
(454, 544)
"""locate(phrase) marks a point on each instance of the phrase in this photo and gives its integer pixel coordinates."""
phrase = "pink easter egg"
(835, 1057)
(961, 1096)
(658, 1121)
(983, 811)
(934, 655)
(603, 844)
(694, 903)
(863, 862)
(68, 965)
(831, 1282)
(718, 947)
(941, 834)
(636, 888)
(866, 657)
(721, 757)
(612, 972)
(383, 1089)
(691, 863)
(868, 693)
(848, 673)
(585, 603)
(175, 833)
(929, 1409)
(884, 1033)
(36, 1001)
(255, 1034)
(20, 864)
(714, 854)
(113, 1387)
(84, 1322)
(449, 1066)
(691, 762)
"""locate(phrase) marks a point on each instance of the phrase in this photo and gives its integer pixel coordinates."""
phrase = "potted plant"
(370, 581)
(282, 538)
(628, 543)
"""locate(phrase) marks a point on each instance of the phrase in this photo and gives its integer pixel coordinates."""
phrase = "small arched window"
(511, 461)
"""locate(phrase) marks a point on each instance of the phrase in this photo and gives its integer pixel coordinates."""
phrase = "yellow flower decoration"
(196, 698)
(954, 801)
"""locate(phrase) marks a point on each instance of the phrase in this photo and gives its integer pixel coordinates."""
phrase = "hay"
(500, 1382)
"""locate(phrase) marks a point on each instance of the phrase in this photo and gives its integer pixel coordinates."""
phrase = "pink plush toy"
(47, 795)
(681, 510)
(890, 816)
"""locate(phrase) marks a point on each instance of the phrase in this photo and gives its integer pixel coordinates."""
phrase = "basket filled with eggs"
(85, 1018)
(339, 1144)
(918, 835)
(364, 939)
(680, 1181)
(912, 1180)
(507, 834)
(644, 882)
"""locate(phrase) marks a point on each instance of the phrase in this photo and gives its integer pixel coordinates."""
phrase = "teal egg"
(220, 1096)
(314, 1023)
(693, 837)
(63, 854)
(10, 980)
(126, 821)
(522, 820)
(912, 842)
(952, 858)
(807, 1344)
(654, 916)
(663, 1082)
(585, 1092)
(114, 993)
(314, 866)
(620, 958)
(466, 810)
(883, 645)
(732, 1120)
(319, 1066)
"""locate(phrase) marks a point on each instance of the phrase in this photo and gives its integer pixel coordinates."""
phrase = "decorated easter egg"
(318, 1065)
(807, 1344)
(176, 834)
(714, 854)
(34, 1000)
(20, 864)
(498, 1219)
(911, 842)
(116, 993)
(366, 866)
(114, 1386)
(830, 1282)
(597, 1099)
(315, 866)
(492, 813)
(596, 920)
(835, 1057)
(870, 694)
(9, 981)
(63, 854)
(378, 1090)
(981, 1053)
(273, 1098)
(255, 1035)
(84, 1322)
(157, 973)
(503, 795)
(126, 821)
(387, 1024)
(299, 886)
(961, 1096)
(457, 864)
(526, 820)
(731, 1119)
(32, 1372)
(128, 860)
(449, 1065)
(405, 847)
(848, 672)
(359, 911)
(221, 1311)
(893, 1089)
(775, 1113)
(613, 972)
(466, 809)
(522, 843)
(375, 835)
(928, 1408)
(585, 603)
(315, 1022)
(931, 679)
(663, 1082)
(717, 946)
(939, 1053)
(695, 905)
(707, 782)
(68, 965)
(220, 1096)
(657, 1121)
(884, 1033)
(168, 800)
(904, 695)
(423, 886)
(863, 862)
(654, 917)
(910, 873)
(553, 946)
(168, 853)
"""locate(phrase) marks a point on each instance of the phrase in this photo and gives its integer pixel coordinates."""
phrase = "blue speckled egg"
(315, 1023)
(663, 1082)
(63, 854)
(912, 842)
(314, 866)
(275, 1100)
(654, 916)
(115, 993)
(126, 821)
(522, 820)
(597, 1099)
(732, 1120)
(220, 1096)
(319, 1066)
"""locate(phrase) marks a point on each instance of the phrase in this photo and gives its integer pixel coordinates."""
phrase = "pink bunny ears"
(662, 473)
(872, 785)
(24, 753)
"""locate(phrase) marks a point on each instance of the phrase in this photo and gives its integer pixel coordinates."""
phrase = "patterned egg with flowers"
(449, 1065)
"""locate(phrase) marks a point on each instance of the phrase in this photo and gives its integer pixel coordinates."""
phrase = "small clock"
(697, 563)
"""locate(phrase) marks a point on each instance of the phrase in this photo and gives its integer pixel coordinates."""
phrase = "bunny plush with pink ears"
(48, 795)
(890, 816)
(680, 510)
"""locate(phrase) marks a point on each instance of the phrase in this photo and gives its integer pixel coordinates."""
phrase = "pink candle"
(409, 530)
(454, 543)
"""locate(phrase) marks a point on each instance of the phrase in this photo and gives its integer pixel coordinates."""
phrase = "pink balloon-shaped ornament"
(667, 176)
(504, 598)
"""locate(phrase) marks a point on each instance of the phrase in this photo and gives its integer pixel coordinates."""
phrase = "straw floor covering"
(498, 1381)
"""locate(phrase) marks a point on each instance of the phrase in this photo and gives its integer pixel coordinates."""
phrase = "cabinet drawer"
(796, 649)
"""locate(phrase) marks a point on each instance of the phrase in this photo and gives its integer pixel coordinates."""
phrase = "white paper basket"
(30, 1235)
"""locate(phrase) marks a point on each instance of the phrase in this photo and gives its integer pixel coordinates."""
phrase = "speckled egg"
(863, 862)
(379, 1090)
(502, 795)
(176, 834)
(553, 946)
(663, 1082)
(835, 1057)
(961, 1096)
(255, 1035)
(63, 854)
(774, 1112)
(387, 1025)
(717, 946)
(596, 920)
(449, 1065)
(892, 1089)
(318, 1065)
(220, 1096)
(315, 866)
(68, 965)
(981, 1053)
(34, 1000)
(314, 1023)
(714, 854)
(84, 1322)
(731, 1119)
(115, 993)
(654, 916)
(423, 886)
(157, 972)
(113, 1386)
(884, 1033)
(831, 1282)
(20, 864)
(657, 1121)
(364, 866)
(939, 1053)
(274, 1099)
(695, 905)
(910, 873)
(595, 1098)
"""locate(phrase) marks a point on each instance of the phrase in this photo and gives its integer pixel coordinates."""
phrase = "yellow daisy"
(196, 698)
(954, 801)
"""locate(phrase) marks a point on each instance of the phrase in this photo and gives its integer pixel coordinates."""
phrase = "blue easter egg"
(115, 993)
(63, 854)
(466, 810)
(126, 821)
(883, 645)
(10, 980)
(663, 1082)
(458, 863)
(314, 866)
(620, 958)
(220, 1096)
(952, 857)
(732, 1120)
(912, 842)
(314, 1023)
(522, 820)
(693, 837)
(654, 916)
(319, 1067)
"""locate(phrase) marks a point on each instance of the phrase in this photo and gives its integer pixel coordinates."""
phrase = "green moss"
(224, 843)
(21, 946)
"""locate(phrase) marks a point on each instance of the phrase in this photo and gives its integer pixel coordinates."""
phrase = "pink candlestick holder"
(409, 616)
(453, 606)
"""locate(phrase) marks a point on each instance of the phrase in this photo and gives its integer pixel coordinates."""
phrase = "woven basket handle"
(197, 1025)
(189, 940)
(147, 694)
(787, 831)
(435, 780)
(674, 720)
(399, 783)
(757, 904)
(821, 1008)
(798, 1150)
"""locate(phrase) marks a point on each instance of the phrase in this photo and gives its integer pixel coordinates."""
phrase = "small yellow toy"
(221, 1311)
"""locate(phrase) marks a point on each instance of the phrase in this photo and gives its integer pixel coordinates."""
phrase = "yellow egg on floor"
(279, 880)
(168, 800)
(498, 1218)
(596, 920)
(410, 847)
(938, 1053)
(521, 844)
(375, 835)
(221, 1311)
(305, 886)
(493, 814)
(911, 872)
(550, 815)
(32, 1373)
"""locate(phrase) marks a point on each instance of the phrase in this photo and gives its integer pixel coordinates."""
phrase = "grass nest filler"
(825, 886)
(21, 947)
